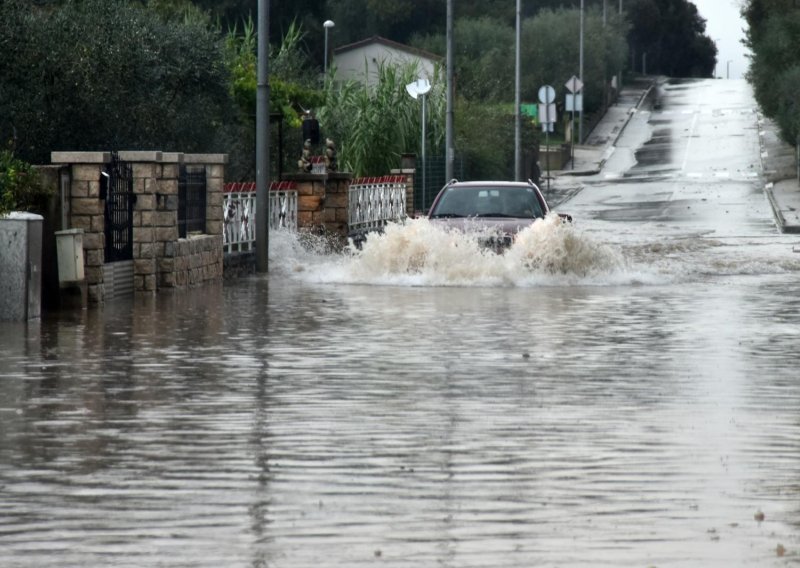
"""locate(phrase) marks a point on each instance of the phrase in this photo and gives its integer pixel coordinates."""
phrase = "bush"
(20, 187)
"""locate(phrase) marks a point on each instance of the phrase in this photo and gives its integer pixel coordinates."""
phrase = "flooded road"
(621, 392)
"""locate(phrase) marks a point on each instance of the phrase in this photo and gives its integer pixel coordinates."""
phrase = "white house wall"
(355, 63)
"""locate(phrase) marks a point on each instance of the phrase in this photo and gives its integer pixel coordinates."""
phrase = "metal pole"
(604, 13)
(424, 173)
(580, 74)
(517, 102)
(619, 80)
(325, 63)
(262, 140)
(729, 68)
(448, 131)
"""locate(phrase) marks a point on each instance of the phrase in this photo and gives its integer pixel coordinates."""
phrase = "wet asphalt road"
(640, 411)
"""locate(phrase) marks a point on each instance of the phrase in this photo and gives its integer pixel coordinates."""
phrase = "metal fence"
(375, 201)
(239, 213)
(434, 179)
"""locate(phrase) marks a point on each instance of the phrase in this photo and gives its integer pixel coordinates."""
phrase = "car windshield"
(506, 201)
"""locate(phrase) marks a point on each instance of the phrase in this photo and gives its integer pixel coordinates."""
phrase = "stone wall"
(322, 203)
(160, 258)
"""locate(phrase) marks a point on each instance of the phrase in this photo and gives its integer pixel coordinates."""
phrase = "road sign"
(547, 113)
(574, 103)
(547, 94)
(574, 85)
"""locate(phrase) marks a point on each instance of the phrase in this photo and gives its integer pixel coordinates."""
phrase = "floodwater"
(622, 391)
(548, 415)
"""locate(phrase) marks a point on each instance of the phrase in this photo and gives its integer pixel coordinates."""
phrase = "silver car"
(498, 210)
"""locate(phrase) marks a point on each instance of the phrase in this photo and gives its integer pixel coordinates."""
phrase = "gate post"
(84, 210)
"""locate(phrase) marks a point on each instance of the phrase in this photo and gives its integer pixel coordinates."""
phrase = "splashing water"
(420, 253)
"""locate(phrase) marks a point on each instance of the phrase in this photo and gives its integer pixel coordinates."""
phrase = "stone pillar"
(322, 202)
(146, 232)
(165, 218)
(86, 212)
(409, 174)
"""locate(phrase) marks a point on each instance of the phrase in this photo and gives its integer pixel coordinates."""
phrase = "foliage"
(292, 89)
(373, 126)
(108, 74)
(774, 26)
(20, 187)
(485, 138)
(672, 34)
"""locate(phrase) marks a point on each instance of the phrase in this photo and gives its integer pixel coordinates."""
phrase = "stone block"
(214, 213)
(146, 218)
(166, 219)
(308, 203)
(337, 200)
(166, 233)
(169, 249)
(168, 186)
(146, 171)
(93, 259)
(93, 189)
(166, 265)
(93, 274)
(145, 202)
(146, 251)
(86, 206)
(140, 156)
(328, 215)
(167, 280)
(86, 173)
(342, 215)
(150, 283)
(205, 158)
(80, 157)
(79, 189)
(214, 184)
(144, 266)
(94, 241)
(81, 222)
(138, 283)
(169, 158)
(143, 234)
(98, 223)
(214, 228)
(304, 218)
(172, 203)
(170, 171)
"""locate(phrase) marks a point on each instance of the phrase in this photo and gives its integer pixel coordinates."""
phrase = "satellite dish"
(418, 87)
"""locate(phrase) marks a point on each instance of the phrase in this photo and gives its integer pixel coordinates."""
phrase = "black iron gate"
(117, 185)
(191, 201)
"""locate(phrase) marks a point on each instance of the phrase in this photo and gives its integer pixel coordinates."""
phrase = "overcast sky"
(725, 25)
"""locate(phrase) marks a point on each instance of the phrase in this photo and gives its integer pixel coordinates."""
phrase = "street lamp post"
(728, 74)
(420, 88)
(517, 129)
(327, 25)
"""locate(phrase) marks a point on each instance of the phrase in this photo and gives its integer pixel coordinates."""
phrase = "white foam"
(419, 253)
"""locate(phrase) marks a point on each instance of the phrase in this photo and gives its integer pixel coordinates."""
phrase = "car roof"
(468, 184)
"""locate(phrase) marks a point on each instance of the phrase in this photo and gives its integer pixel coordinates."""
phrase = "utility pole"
(517, 102)
(262, 140)
(448, 130)
(580, 76)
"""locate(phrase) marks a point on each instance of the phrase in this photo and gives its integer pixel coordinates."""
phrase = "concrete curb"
(780, 220)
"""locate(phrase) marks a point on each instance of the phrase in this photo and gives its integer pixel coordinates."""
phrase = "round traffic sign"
(547, 94)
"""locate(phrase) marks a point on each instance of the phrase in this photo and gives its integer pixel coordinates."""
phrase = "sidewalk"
(599, 145)
(779, 164)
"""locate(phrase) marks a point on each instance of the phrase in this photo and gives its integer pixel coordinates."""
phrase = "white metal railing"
(239, 213)
(375, 201)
